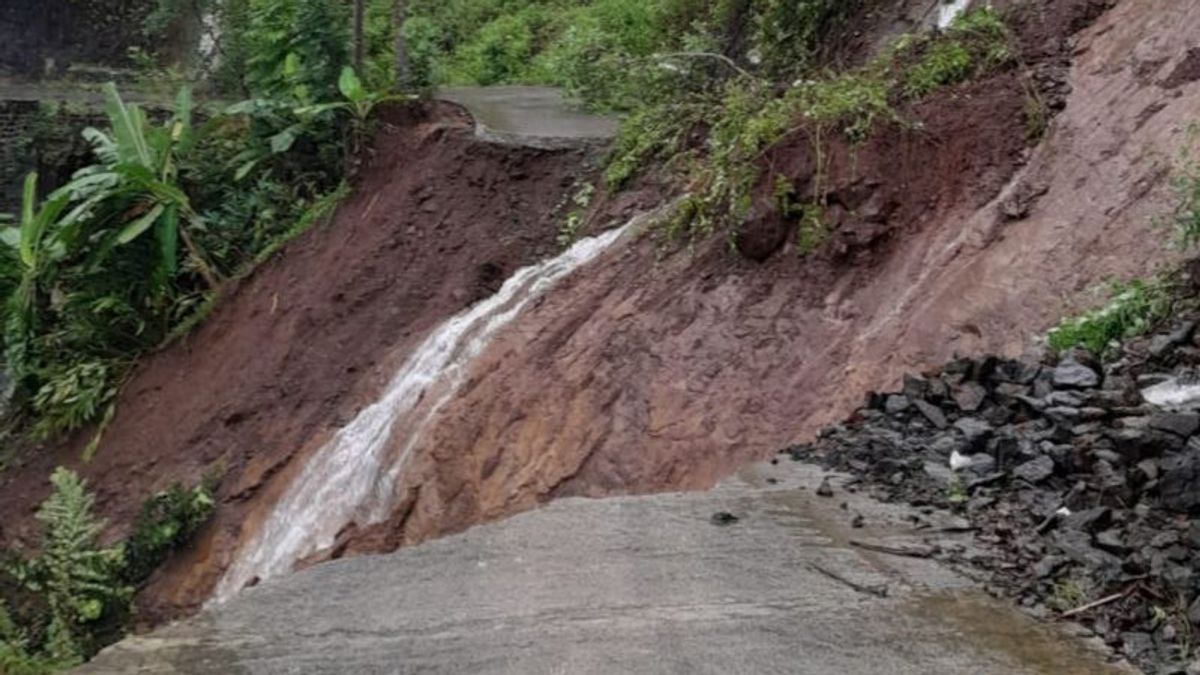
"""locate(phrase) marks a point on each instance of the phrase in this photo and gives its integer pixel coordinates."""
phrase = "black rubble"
(1081, 489)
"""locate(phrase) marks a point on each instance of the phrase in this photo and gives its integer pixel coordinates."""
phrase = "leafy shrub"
(296, 48)
(788, 33)
(15, 658)
(71, 395)
(168, 520)
(1186, 184)
(73, 598)
(78, 579)
(751, 114)
(502, 51)
(977, 41)
(113, 263)
(424, 40)
(1133, 309)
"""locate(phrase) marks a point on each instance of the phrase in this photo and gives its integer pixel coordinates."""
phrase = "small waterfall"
(949, 10)
(353, 477)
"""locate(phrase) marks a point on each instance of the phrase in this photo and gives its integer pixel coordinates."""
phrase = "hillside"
(489, 322)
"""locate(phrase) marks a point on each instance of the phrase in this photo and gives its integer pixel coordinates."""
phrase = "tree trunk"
(403, 68)
(360, 10)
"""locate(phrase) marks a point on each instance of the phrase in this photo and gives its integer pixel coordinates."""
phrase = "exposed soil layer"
(653, 372)
(438, 221)
(1082, 480)
(654, 369)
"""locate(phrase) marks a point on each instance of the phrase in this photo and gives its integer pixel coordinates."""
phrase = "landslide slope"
(650, 373)
(647, 371)
(437, 222)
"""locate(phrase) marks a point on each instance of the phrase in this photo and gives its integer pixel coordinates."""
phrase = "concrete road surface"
(534, 116)
(630, 585)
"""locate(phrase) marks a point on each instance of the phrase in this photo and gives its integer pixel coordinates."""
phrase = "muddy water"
(975, 620)
(352, 478)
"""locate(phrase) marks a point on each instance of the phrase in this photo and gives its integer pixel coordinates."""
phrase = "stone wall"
(40, 37)
(43, 137)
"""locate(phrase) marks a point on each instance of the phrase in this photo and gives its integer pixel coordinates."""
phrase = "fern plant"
(79, 579)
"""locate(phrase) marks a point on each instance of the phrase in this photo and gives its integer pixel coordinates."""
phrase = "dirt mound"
(438, 219)
(652, 373)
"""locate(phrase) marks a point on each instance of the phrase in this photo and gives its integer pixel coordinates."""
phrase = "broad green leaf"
(243, 107)
(136, 228)
(11, 237)
(167, 230)
(128, 124)
(244, 170)
(28, 223)
(312, 110)
(282, 141)
(85, 185)
(102, 144)
(81, 211)
(350, 86)
(291, 64)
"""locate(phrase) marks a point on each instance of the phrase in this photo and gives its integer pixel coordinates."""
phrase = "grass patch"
(1133, 309)
(714, 141)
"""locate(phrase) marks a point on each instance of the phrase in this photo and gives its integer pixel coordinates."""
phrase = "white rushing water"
(949, 10)
(353, 477)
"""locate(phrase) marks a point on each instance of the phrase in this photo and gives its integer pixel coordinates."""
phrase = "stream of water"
(353, 478)
(949, 11)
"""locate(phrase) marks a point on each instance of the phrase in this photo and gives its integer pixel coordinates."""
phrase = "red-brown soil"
(647, 371)
(438, 221)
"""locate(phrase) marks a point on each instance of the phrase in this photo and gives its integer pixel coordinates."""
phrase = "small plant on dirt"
(975, 42)
(359, 104)
(956, 492)
(1186, 184)
(74, 595)
(1066, 595)
(78, 580)
(568, 233)
(168, 520)
(1133, 309)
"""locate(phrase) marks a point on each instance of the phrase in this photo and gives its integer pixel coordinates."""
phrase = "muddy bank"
(654, 372)
(437, 222)
(651, 369)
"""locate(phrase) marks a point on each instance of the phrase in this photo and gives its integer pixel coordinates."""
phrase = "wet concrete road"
(534, 116)
(629, 585)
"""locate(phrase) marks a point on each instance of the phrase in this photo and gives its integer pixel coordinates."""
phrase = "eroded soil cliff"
(650, 369)
(650, 373)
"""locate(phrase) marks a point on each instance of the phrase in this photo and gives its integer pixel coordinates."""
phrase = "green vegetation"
(749, 115)
(167, 522)
(72, 587)
(1187, 188)
(690, 98)
(132, 250)
(1137, 307)
(1133, 309)
(108, 265)
(61, 606)
(1068, 594)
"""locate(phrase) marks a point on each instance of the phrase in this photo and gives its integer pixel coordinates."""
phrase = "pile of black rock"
(1082, 480)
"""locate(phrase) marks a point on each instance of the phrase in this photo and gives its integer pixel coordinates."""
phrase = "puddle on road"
(992, 627)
